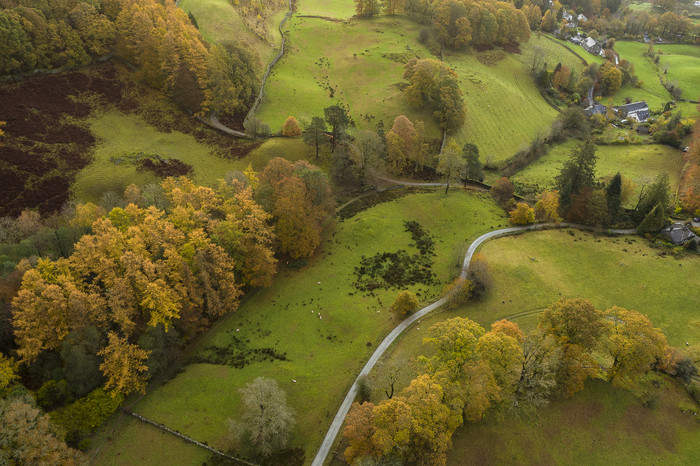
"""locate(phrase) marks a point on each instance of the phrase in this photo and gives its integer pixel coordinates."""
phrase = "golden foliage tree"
(124, 365)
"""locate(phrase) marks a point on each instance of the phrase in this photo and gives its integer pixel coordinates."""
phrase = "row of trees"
(472, 371)
(157, 37)
(458, 23)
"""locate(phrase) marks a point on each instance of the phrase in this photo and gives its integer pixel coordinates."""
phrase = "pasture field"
(504, 107)
(599, 425)
(357, 63)
(340, 9)
(219, 21)
(119, 134)
(640, 163)
(531, 271)
(683, 63)
(360, 64)
(325, 326)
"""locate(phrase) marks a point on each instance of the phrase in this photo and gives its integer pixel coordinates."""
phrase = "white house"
(637, 111)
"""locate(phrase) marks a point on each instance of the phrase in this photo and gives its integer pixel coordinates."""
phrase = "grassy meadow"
(531, 271)
(600, 425)
(640, 163)
(554, 51)
(118, 133)
(340, 9)
(324, 325)
(683, 62)
(360, 64)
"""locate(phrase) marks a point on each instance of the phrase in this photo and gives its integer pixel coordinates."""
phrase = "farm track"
(339, 418)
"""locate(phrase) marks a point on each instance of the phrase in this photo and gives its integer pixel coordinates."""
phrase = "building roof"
(634, 107)
(677, 233)
(589, 42)
(597, 108)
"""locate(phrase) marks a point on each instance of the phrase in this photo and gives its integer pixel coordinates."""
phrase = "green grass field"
(118, 133)
(332, 9)
(352, 60)
(504, 108)
(601, 425)
(219, 21)
(640, 163)
(362, 61)
(683, 63)
(531, 271)
(324, 354)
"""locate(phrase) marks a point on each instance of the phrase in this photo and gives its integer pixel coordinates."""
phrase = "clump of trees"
(472, 371)
(434, 85)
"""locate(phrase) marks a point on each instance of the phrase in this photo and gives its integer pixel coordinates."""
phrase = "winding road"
(337, 423)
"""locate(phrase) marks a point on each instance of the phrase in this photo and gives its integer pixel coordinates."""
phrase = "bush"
(523, 214)
(459, 292)
(364, 390)
(405, 303)
(82, 418)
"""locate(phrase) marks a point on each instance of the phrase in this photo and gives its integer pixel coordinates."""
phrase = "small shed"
(678, 233)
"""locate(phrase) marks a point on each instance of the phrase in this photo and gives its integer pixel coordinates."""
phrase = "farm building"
(597, 108)
(637, 111)
(592, 46)
(678, 233)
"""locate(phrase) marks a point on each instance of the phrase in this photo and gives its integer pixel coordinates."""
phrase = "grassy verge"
(640, 163)
(323, 353)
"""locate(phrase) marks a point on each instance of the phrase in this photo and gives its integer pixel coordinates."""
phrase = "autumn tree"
(479, 275)
(452, 27)
(315, 133)
(291, 128)
(502, 191)
(28, 437)
(401, 143)
(547, 206)
(359, 430)
(299, 197)
(611, 78)
(230, 77)
(450, 163)
(504, 355)
(522, 214)
(267, 420)
(549, 20)
(366, 154)
(433, 84)
(405, 303)
(454, 341)
(124, 365)
(393, 7)
(634, 345)
(367, 8)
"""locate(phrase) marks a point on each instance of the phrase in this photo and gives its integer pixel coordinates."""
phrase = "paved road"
(337, 423)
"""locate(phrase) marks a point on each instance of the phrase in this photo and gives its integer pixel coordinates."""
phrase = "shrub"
(459, 292)
(523, 214)
(405, 303)
(291, 127)
(83, 417)
(364, 390)
(479, 274)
